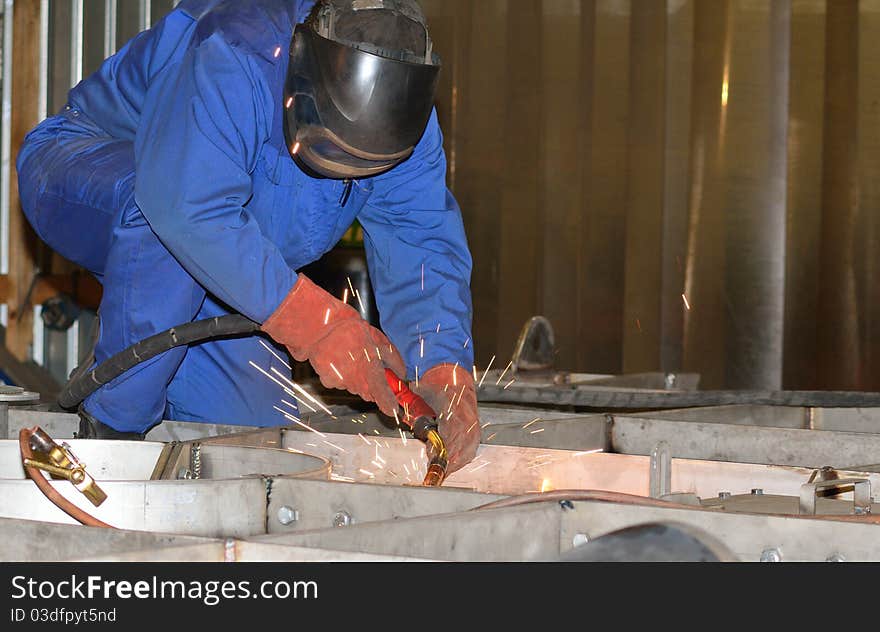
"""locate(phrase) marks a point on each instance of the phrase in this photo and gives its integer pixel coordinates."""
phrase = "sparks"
(417, 377)
(333, 445)
(421, 348)
(327, 316)
(284, 388)
(350, 286)
(367, 354)
(455, 375)
(298, 422)
(366, 473)
(304, 393)
(472, 427)
(477, 469)
(351, 355)
(509, 364)
(509, 384)
(357, 293)
(345, 296)
(475, 373)
(586, 453)
(538, 431)
(289, 103)
(277, 51)
(491, 436)
(423, 277)
(438, 328)
(533, 421)
(377, 464)
(273, 352)
(463, 387)
(686, 303)
(364, 439)
(467, 342)
(333, 366)
(485, 425)
(295, 149)
(379, 353)
(402, 436)
(487, 370)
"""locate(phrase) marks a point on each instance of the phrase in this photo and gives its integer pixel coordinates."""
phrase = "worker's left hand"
(454, 399)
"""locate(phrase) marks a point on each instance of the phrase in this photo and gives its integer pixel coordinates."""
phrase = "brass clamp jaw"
(59, 461)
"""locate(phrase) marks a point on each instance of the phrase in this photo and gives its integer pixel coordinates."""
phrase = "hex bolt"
(184, 474)
(757, 492)
(341, 519)
(670, 381)
(771, 555)
(723, 495)
(287, 515)
(580, 539)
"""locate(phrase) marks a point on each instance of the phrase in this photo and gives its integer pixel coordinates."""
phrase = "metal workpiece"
(545, 531)
(661, 470)
(652, 543)
(860, 488)
(44, 541)
(745, 444)
(320, 504)
(804, 418)
(229, 499)
(514, 470)
(520, 534)
(826, 502)
(589, 396)
(240, 551)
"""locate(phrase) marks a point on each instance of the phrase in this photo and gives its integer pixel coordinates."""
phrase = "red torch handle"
(413, 405)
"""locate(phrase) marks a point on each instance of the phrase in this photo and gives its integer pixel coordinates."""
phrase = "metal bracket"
(861, 489)
(661, 470)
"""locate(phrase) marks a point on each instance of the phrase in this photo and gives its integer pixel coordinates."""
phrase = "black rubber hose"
(80, 387)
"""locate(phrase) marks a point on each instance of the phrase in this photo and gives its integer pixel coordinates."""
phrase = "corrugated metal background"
(676, 184)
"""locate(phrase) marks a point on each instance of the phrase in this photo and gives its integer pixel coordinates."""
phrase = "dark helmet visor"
(350, 113)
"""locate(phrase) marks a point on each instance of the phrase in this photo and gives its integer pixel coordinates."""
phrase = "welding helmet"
(360, 87)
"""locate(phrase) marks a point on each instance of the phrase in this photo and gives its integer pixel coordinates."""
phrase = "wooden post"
(23, 243)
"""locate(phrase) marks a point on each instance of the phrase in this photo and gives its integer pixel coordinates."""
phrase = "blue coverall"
(167, 176)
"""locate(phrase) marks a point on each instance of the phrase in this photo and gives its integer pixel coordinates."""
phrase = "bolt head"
(287, 515)
(837, 557)
(757, 492)
(580, 539)
(771, 555)
(341, 519)
(184, 474)
(724, 495)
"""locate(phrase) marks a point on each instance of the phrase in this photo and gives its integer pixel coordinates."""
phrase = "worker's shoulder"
(255, 27)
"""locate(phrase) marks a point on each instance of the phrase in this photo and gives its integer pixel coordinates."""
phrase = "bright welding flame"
(546, 486)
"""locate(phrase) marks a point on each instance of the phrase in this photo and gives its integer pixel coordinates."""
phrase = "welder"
(224, 149)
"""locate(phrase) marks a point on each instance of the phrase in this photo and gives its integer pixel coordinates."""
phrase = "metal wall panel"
(805, 168)
(679, 185)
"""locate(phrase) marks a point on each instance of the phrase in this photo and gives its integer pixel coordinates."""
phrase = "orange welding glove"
(450, 391)
(344, 349)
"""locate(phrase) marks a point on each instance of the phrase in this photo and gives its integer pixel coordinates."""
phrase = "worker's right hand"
(345, 350)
